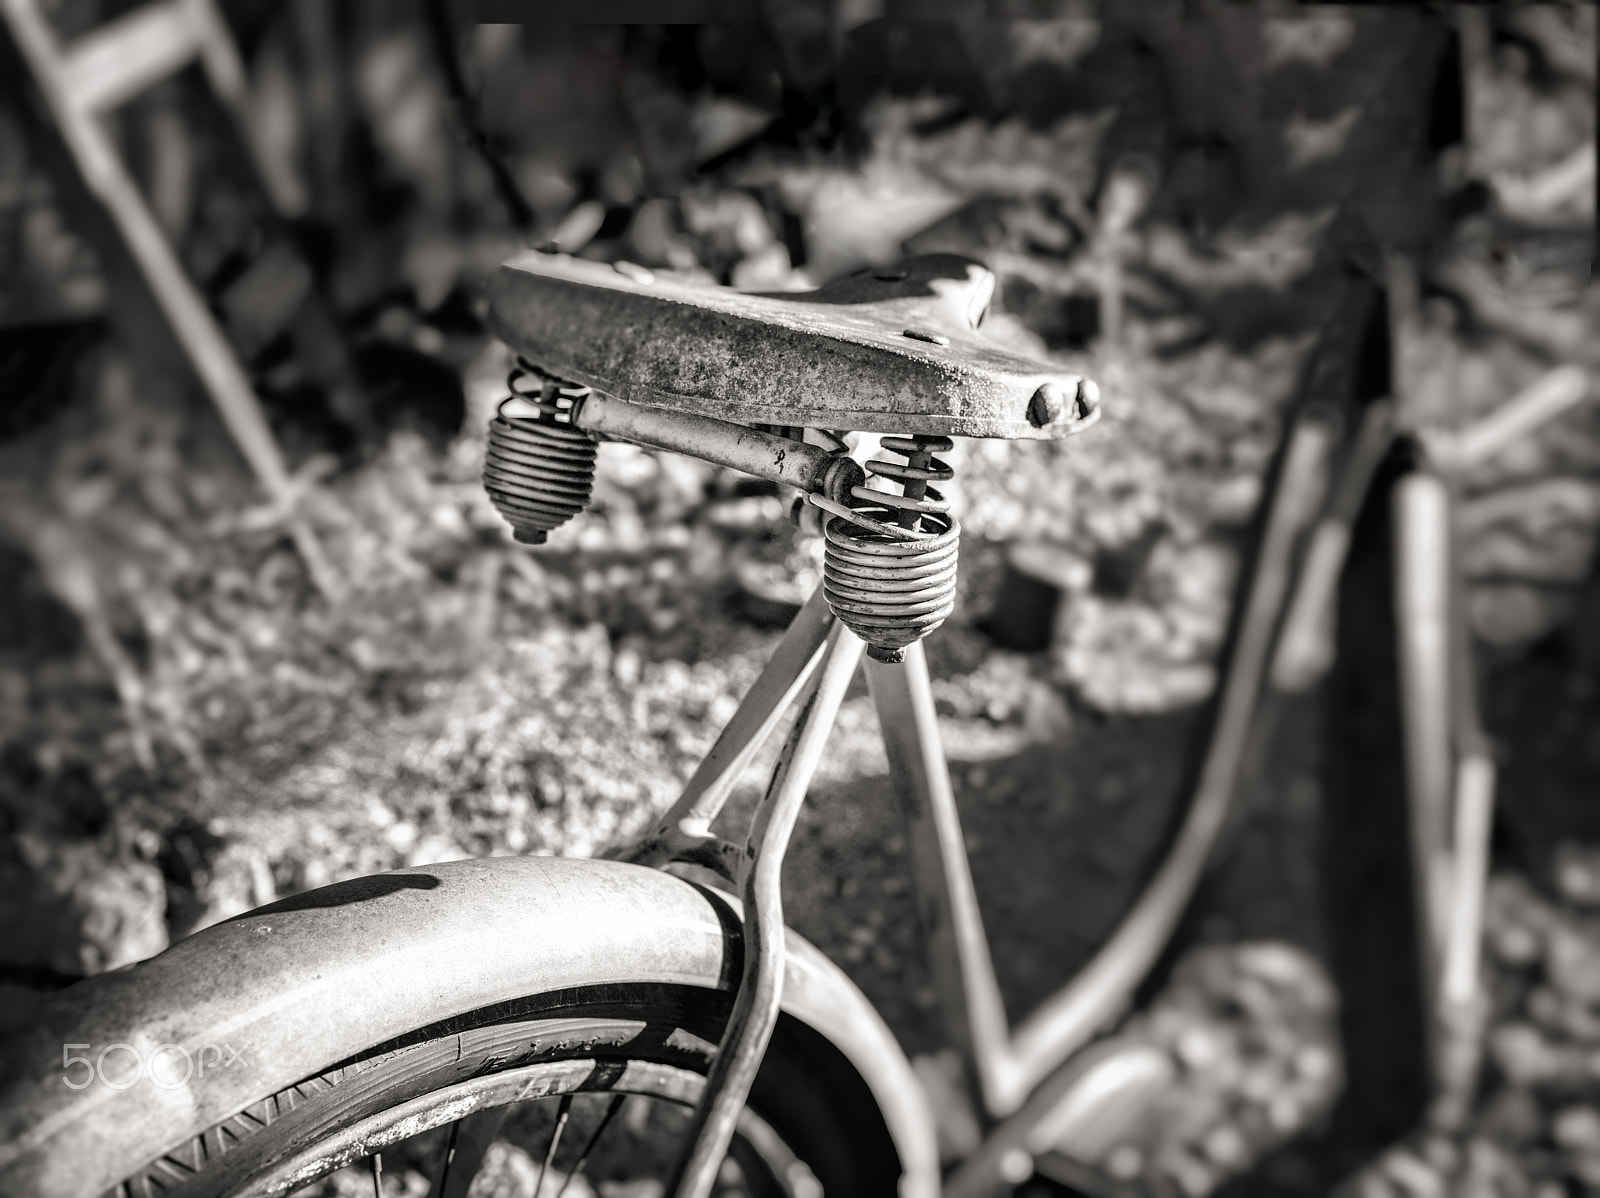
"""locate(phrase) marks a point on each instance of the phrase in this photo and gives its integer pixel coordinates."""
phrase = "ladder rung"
(121, 59)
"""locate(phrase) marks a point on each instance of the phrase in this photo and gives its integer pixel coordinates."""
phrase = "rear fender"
(282, 992)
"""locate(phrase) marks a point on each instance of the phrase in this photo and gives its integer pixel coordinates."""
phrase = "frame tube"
(756, 1008)
(782, 682)
(1305, 646)
(947, 902)
(1073, 1014)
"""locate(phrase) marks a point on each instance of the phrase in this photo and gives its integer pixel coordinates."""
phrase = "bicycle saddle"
(887, 350)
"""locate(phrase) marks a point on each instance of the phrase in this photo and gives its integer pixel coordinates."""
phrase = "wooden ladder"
(101, 71)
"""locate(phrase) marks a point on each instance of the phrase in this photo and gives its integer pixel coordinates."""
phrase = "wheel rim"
(784, 1173)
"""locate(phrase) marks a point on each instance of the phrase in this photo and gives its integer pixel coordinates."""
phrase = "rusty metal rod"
(755, 1010)
(810, 468)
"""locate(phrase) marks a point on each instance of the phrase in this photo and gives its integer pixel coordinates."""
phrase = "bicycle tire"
(650, 1041)
(361, 986)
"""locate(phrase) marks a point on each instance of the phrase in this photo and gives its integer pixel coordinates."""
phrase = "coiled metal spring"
(889, 562)
(539, 469)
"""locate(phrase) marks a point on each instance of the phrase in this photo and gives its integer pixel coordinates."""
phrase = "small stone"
(1284, 1113)
(1373, 1185)
(1441, 1154)
(1314, 1064)
(402, 836)
(1198, 1047)
(1577, 1129)
(1512, 1118)
(1413, 1176)
(1125, 1163)
(1225, 1146)
(1572, 961)
(1193, 1176)
(1515, 945)
(1521, 1053)
(1260, 1082)
(627, 666)
(1577, 873)
(1016, 1166)
(1277, 963)
(1491, 1172)
(1545, 1007)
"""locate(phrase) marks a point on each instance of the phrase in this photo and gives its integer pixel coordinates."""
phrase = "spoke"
(443, 1179)
(470, 1141)
(377, 1175)
(563, 1112)
(594, 1138)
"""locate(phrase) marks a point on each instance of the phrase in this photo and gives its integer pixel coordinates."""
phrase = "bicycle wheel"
(367, 1014)
(560, 1054)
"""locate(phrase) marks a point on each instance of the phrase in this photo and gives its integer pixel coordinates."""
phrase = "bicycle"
(436, 999)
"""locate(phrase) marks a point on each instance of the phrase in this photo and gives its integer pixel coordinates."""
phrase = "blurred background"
(198, 714)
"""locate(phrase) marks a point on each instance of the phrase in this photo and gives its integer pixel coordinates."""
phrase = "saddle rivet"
(1046, 405)
(1087, 399)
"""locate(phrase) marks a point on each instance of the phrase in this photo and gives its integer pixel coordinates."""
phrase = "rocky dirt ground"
(190, 727)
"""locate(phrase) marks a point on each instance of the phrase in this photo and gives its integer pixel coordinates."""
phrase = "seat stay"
(787, 678)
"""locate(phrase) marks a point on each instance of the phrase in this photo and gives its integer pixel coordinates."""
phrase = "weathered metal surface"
(326, 974)
(878, 351)
(756, 1008)
(782, 460)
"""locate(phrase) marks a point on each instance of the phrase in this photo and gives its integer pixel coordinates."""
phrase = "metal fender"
(324, 975)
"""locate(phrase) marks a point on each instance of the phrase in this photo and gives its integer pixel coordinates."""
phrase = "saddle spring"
(539, 469)
(889, 561)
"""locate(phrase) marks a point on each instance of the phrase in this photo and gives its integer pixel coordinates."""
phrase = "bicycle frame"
(1018, 1075)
